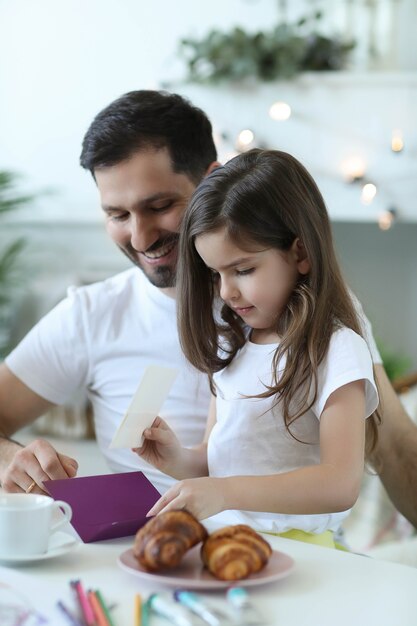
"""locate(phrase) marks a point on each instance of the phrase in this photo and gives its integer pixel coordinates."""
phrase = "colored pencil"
(138, 610)
(100, 616)
(86, 610)
(144, 614)
(72, 620)
(104, 608)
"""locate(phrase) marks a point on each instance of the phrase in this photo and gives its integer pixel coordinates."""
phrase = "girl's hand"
(161, 447)
(202, 497)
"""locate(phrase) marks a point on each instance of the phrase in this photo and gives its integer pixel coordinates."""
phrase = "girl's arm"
(162, 449)
(331, 486)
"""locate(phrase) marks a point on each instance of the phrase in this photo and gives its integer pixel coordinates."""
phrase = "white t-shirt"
(102, 337)
(250, 438)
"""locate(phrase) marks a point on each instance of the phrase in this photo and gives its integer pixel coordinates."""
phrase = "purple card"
(106, 506)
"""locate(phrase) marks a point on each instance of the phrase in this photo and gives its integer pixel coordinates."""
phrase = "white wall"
(61, 61)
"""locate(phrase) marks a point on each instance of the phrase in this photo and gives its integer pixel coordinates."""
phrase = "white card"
(145, 406)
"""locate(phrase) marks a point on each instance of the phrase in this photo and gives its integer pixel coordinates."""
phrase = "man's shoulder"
(118, 289)
(123, 281)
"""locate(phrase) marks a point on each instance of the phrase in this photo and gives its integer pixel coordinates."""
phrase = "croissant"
(164, 540)
(235, 552)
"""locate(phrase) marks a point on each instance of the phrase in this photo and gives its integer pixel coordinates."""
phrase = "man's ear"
(212, 167)
(301, 258)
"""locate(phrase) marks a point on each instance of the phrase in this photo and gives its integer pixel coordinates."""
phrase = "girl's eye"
(245, 272)
(214, 275)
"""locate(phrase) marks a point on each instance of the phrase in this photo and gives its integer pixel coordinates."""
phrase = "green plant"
(395, 364)
(9, 272)
(282, 52)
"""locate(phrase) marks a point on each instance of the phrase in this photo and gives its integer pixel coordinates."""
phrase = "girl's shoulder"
(346, 344)
(343, 333)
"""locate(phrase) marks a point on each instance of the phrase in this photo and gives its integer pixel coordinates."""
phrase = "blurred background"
(334, 83)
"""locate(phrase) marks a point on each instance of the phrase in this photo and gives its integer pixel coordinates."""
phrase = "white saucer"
(59, 543)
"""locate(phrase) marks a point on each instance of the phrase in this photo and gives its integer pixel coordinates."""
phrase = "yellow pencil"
(138, 610)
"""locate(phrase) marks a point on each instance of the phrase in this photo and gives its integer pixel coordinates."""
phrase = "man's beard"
(162, 276)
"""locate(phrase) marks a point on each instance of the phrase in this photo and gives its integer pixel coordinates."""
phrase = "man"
(147, 151)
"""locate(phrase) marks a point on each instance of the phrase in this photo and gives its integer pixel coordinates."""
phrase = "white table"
(326, 587)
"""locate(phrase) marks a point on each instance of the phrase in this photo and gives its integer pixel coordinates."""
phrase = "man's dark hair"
(140, 120)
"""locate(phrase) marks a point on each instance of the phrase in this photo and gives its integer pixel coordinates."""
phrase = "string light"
(397, 142)
(368, 193)
(386, 219)
(353, 168)
(245, 139)
(280, 111)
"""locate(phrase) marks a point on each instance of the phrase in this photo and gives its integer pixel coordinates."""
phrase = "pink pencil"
(85, 605)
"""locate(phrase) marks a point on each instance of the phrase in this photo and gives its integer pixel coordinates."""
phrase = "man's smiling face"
(144, 200)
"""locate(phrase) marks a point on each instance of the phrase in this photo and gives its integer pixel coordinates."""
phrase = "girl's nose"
(228, 290)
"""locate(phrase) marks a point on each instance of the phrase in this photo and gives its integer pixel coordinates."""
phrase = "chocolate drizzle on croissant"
(164, 540)
(235, 552)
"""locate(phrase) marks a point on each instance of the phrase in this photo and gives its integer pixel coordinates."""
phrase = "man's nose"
(142, 232)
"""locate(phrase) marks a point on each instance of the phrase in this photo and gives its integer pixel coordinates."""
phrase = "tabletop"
(325, 587)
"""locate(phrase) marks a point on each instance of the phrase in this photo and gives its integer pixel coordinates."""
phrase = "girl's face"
(256, 284)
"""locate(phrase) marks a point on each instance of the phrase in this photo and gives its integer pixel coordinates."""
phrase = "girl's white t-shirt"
(250, 438)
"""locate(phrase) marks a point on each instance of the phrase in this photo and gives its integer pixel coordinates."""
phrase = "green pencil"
(104, 607)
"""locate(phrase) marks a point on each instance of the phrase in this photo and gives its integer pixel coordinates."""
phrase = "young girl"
(291, 375)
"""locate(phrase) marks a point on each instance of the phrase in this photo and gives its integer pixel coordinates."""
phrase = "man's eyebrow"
(143, 203)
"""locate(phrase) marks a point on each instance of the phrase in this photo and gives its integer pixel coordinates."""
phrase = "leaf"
(10, 273)
(8, 263)
(281, 52)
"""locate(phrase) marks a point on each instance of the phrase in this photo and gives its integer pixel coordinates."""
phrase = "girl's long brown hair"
(266, 197)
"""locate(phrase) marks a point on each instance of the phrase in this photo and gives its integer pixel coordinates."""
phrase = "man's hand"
(161, 447)
(202, 497)
(36, 462)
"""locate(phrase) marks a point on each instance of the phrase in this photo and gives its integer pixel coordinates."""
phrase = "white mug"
(26, 523)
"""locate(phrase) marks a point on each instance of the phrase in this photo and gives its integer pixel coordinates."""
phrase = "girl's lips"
(243, 310)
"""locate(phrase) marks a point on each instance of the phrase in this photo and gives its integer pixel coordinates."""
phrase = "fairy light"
(386, 219)
(368, 193)
(280, 111)
(397, 142)
(353, 168)
(245, 139)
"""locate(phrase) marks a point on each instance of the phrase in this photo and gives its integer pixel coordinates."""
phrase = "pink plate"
(191, 573)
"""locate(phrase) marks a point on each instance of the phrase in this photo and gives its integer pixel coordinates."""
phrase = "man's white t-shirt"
(250, 437)
(101, 338)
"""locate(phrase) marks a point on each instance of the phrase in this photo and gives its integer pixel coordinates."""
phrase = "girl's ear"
(301, 258)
